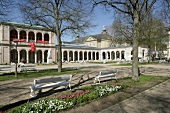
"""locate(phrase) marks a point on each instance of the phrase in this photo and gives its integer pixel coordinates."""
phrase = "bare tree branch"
(148, 9)
(135, 10)
(58, 16)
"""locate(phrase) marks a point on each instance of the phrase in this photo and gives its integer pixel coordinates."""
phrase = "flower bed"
(66, 101)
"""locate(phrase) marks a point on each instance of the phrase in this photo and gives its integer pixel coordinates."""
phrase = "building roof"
(98, 37)
(78, 40)
(77, 46)
(22, 25)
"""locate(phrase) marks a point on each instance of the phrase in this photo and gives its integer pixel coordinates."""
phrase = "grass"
(42, 73)
(144, 63)
(143, 79)
(115, 64)
(111, 62)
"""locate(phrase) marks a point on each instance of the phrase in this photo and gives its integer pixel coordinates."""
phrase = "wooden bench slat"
(105, 74)
(51, 85)
(53, 79)
(28, 68)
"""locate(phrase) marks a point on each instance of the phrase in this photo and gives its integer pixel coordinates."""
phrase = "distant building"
(98, 48)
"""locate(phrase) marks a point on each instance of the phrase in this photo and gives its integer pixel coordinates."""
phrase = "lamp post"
(16, 61)
(1, 51)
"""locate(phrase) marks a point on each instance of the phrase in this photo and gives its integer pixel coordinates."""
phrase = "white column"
(18, 34)
(42, 36)
(120, 55)
(68, 56)
(106, 56)
(125, 54)
(91, 55)
(87, 55)
(50, 36)
(100, 55)
(73, 56)
(27, 57)
(27, 36)
(83, 55)
(115, 56)
(35, 56)
(95, 55)
(42, 56)
(62, 52)
(78, 55)
(35, 37)
(110, 55)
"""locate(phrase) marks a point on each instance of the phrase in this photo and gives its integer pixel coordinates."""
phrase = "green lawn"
(115, 64)
(143, 79)
(42, 73)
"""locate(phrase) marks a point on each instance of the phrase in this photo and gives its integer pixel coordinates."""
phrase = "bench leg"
(115, 77)
(40, 91)
(111, 78)
(32, 91)
(99, 80)
(66, 86)
(69, 86)
(94, 80)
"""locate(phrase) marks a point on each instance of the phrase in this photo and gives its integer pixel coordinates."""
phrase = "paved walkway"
(154, 100)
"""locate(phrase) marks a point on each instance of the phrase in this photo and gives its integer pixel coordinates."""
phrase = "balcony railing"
(18, 40)
(24, 42)
(41, 41)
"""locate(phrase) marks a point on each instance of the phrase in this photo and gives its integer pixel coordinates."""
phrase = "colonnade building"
(99, 47)
(15, 40)
(31, 44)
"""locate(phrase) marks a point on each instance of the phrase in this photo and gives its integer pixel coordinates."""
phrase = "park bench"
(82, 62)
(52, 82)
(106, 74)
(28, 68)
(5, 68)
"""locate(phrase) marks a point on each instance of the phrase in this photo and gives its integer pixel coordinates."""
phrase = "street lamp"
(16, 61)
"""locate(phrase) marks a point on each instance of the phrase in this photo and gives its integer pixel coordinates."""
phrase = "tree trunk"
(59, 56)
(135, 72)
(58, 33)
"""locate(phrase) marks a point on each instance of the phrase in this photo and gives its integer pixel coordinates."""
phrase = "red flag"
(32, 46)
